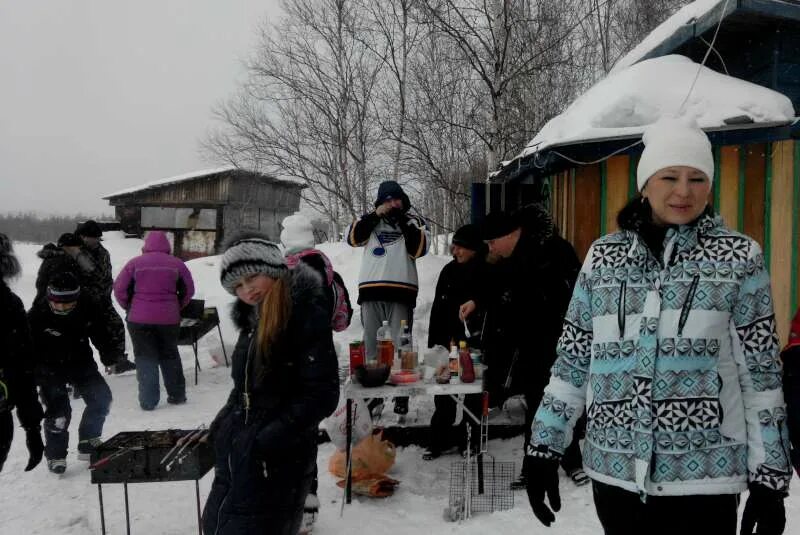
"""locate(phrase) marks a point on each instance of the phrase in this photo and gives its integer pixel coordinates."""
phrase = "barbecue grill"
(151, 456)
(197, 320)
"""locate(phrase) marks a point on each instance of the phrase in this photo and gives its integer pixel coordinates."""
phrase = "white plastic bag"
(336, 423)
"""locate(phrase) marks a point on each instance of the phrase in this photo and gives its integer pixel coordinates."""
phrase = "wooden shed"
(757, 172)
(197, 209)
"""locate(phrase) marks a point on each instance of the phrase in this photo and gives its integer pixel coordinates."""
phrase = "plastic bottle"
(405, 351)
(465, 361)
(453, 362)
(385, 345)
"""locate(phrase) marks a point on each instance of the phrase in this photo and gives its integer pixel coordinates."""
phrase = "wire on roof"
(685, 100)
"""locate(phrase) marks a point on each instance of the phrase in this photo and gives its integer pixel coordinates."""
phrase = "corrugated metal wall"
(756, 190)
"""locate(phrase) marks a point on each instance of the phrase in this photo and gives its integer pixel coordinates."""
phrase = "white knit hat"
(249, 253)
(669, 142)
(297, 233)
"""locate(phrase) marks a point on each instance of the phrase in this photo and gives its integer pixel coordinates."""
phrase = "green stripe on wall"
(742, 178)
(717, 185)
(633, 163)
(794, 215)
(603, 200)
(768, 206)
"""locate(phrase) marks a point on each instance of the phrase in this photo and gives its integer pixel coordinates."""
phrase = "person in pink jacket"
(153, 288)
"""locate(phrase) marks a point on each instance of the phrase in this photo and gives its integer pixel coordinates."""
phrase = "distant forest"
(29, 227)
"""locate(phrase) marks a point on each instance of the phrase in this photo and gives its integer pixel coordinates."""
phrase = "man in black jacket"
(62, 324)
(100, 283)
(17, 387)
(457, 284)
(529, 295)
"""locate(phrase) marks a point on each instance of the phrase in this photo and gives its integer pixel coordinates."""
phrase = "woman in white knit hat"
(669, 343)
(285, 382)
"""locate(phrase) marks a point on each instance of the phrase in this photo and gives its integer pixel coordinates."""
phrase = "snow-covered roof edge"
(184, 177)
(690, 21)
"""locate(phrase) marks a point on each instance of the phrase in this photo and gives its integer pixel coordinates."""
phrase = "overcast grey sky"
(99, 95)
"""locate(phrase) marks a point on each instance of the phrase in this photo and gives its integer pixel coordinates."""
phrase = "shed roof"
(194, 175)
(701, 17)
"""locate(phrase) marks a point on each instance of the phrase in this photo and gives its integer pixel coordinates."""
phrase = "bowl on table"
(372, 376)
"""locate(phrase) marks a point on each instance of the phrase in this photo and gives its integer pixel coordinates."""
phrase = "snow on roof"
(685, 16)
(170, 180)
(626, 101)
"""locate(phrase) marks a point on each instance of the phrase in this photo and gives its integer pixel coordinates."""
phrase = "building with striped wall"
(757, 172)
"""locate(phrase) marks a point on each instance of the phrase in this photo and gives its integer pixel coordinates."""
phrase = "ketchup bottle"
(465, 360)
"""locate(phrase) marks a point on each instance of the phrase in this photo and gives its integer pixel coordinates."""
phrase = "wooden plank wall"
(617, 193)
(781, 228)
(758, 195)
(587, 208)
(754, 191)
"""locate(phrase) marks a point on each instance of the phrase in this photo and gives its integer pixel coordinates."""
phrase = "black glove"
(764, 513)
(33, 440)
(542, 477)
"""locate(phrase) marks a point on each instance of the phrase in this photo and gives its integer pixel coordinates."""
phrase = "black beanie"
(63, 288)
(90, 229)
(69, 239)
(468, 237)
(498, 224)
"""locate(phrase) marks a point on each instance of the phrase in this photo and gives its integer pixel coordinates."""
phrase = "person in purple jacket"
(153, 288)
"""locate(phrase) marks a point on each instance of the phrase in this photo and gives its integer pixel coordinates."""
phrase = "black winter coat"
(100, 281)
(457, 284)
(17, 361)
(61, 343)
(266, 454)
(526, 304)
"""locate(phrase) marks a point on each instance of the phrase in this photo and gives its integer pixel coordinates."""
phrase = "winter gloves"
(542, 478)
(33, 440)
(764, 513)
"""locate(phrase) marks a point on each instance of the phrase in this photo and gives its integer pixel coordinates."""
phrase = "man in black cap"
(62, 324)
(457, 284)
(100, 283)
(531, 289)
(388, 283)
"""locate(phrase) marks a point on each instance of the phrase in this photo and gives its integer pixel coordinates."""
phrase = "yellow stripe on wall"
(781, 234)
(616, 189)
(729, 186)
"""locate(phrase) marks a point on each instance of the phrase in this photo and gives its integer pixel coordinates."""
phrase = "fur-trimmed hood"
(306, 284)
(537, 223)
(50, 250)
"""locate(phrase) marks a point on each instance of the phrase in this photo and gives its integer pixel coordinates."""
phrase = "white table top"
(353, 390)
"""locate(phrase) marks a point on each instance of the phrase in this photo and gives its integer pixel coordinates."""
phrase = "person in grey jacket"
(669, 342)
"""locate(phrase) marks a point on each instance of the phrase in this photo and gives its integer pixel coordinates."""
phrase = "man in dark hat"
(62, 324)
(100, 283)
(387, 284)
(457, 284)
(536, 272)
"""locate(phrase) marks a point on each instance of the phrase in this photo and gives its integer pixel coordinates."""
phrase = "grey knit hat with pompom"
(248, 253)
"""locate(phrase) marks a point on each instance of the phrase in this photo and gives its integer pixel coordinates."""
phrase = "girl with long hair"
(285, 382)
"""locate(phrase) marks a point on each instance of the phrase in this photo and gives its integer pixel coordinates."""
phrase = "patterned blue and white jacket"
(677, 366)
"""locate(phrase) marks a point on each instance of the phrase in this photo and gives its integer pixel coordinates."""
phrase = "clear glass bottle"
(385, 345)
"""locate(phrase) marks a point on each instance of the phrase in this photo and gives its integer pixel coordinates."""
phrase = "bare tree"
(304, 111)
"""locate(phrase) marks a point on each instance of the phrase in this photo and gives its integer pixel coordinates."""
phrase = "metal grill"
(136, 457)
(480, 485)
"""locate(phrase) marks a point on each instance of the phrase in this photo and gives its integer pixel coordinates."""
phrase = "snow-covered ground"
(41, 503)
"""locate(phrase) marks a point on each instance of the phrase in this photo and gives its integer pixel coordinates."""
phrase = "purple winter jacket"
(154, 286)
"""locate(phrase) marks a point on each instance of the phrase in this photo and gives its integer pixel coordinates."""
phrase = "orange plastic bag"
(372, 456)
(375, 486)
